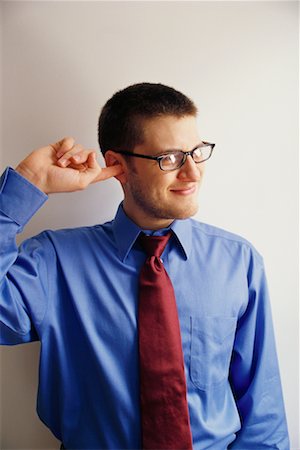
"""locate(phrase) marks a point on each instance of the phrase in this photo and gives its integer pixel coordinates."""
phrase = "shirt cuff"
(19, 199)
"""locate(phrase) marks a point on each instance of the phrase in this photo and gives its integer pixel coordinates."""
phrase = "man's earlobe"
(112, 159)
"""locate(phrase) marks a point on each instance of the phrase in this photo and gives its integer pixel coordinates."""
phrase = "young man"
(77, 291)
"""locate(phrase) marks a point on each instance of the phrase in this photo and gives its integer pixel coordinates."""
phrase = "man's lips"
(184, 190)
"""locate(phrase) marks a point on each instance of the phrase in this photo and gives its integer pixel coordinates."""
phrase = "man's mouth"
(186, 190)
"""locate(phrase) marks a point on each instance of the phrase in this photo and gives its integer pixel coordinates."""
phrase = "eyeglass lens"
(174, 160)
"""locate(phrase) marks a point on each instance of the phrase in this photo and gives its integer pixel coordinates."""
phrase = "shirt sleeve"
(23, 272)
(254, 372)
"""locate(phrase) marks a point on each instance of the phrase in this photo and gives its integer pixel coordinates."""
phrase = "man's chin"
(186, 213)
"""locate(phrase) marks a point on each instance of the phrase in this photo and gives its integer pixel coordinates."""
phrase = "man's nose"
(190, 171)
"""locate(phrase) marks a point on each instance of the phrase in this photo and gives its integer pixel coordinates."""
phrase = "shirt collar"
(183, 232)
(126, 232)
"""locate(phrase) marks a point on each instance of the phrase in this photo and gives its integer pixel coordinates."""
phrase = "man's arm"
(60, 167)
(254, 372)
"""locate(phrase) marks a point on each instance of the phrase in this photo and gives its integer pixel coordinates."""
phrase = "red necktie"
(164, 410)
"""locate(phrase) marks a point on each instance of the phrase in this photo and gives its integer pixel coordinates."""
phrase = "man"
(77, 290)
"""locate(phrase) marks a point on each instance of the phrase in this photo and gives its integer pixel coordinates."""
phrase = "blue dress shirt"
(75, 290)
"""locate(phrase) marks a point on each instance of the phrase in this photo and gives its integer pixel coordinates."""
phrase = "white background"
(238, 61)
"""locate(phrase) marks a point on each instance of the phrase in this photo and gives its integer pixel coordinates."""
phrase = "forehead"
(169, 132)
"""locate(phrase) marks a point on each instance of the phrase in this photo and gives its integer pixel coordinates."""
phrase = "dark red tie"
(164, 410)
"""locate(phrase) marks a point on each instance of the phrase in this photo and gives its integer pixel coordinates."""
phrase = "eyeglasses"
(173, 160)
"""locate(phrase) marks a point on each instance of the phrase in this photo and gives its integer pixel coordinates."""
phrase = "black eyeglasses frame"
(159, 158)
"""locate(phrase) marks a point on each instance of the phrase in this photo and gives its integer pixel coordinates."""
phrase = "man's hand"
(64, 167)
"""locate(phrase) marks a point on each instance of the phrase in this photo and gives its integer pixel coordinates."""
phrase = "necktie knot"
(154, 245)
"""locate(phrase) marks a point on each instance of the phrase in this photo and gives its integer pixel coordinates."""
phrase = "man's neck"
(147, 223)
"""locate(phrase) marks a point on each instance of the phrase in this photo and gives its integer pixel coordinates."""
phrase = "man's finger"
(63, 146)
(64, 160)
(109, 172)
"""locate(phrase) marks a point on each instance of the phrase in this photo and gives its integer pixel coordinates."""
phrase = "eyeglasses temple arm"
(138, 155)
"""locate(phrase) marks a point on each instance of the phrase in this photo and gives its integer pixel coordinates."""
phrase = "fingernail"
(63, 162)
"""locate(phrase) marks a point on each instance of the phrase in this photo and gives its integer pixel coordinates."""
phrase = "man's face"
(154, 198)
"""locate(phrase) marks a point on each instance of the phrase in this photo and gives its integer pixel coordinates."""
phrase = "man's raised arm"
(60, 167)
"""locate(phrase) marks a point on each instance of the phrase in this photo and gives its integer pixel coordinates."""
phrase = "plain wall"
(237, 60)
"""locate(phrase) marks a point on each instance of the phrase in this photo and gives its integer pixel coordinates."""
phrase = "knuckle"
(68, 141)
(77, 149)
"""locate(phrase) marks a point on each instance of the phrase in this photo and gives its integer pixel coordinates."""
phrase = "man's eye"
(198, 152)
(170, 159)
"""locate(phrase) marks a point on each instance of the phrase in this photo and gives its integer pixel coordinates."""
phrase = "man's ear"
(112, 159)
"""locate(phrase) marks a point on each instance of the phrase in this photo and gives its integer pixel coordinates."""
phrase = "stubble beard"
(168, 211)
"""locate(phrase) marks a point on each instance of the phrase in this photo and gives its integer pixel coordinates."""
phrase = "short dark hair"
(120, 125)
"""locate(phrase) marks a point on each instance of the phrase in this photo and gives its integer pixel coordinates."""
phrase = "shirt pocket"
(211, 348)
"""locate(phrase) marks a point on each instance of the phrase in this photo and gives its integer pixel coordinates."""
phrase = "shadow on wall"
(19, 373)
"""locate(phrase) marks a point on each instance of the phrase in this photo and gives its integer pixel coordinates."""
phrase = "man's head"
(122, 119)
(152, 120)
